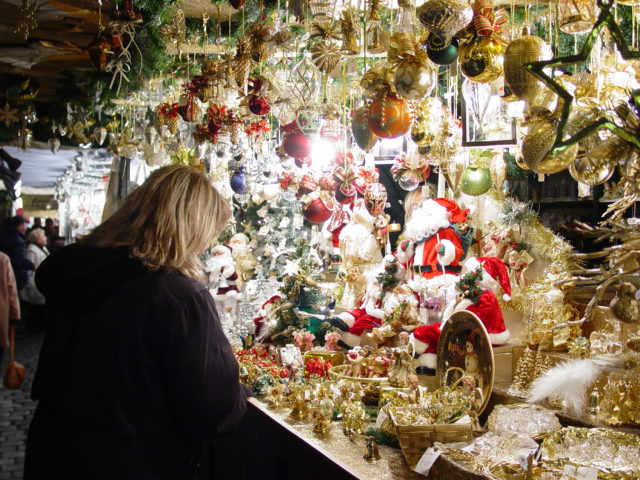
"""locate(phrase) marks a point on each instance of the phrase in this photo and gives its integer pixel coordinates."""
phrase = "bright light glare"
(323, 152)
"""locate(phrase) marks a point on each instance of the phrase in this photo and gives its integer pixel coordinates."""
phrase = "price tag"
(382, 417)
(426, 461)
(298, 221)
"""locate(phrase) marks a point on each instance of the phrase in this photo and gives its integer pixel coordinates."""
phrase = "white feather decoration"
(568, 382)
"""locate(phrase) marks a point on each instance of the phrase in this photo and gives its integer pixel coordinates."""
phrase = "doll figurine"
(223, 278)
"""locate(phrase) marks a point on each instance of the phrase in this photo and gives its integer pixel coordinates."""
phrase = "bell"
(100, 134)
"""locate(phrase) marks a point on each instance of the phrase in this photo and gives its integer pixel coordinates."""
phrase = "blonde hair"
(35, 235)
(167, 221)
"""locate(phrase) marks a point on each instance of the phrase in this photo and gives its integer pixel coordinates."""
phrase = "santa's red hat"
(271, 301)
(498, 270)
(428, 334)
(456, 214)
(362, 323)
(488, 311)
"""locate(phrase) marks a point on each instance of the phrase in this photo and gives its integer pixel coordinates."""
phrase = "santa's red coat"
(488, 310)
(430, 252)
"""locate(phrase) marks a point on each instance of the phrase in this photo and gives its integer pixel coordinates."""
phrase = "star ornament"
(292, 268)
(605, 19)
(8, 115)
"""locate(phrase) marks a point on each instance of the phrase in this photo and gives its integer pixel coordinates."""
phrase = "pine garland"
(468, 285)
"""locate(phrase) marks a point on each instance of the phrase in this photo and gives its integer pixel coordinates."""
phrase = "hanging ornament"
(308, 184)
(362, 134)
(238, 181)
(476, 180)
(297, 145)
(308, 120)
(98, 50)
(317, 207)
(413, 78)
(390, 116)
(345, 179)
(444, 18)
(577, 16)
(237, 4)
(8, 115)
(375, 198)
(100, 134)
(427, 122)
(349, 28)
(54, 144)
(302, 162)
(441, 53)
(259, 105)
(477, 97)
(410, 171)
(481, 57)
(498, 170)
(524, 49)
(536, 147)
(304, 81)
(325, 53)
(589, 172)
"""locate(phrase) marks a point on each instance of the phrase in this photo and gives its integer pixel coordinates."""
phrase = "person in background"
(51, 233)
(33, 300)
(9, 304)
(12, 243)
(37, 223)
(135, 375)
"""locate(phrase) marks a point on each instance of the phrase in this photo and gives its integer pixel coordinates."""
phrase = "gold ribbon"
(405, 48)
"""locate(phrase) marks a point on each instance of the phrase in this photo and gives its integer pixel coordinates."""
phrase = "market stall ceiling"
(40, 167)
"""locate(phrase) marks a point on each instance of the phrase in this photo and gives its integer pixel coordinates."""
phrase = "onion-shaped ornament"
(317, 207)
(445, 18)
(100, 134)
(375, 198)
(537, 144)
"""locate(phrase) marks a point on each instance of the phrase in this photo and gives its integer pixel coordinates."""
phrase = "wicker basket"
(415, 439)
(371, 386)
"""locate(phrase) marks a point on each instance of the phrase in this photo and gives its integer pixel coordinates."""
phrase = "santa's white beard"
(217, 263)
(426, 221)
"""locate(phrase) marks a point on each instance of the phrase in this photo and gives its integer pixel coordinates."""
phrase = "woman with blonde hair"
(135, 373)
(32, 298)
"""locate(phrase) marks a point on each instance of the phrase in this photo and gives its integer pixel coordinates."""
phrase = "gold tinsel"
(403, 47)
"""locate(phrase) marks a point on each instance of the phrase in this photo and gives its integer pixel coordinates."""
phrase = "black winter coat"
(12, 243)
(134, 375)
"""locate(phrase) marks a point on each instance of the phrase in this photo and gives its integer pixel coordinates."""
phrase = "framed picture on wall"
(486, 123)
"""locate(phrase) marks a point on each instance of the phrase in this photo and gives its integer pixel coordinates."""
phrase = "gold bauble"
(481, 61)
(525, 49)
(537, 144)
(444, 18)
(520, 163)
(414, 80)
(585, 170)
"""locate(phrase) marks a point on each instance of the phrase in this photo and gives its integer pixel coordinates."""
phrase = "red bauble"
(297, 145)
(237, 4)
(390, 117)
(346, 194)
(259, 105)
(319, 208)
(308, 184)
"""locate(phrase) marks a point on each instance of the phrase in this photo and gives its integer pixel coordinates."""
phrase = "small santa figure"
(223, 279)
(494, 275)
(437, 238)
(262, 330)
(424, 342)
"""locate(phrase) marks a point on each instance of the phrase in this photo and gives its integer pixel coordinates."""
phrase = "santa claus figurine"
(437, 238)
(223, 279)
(493, 276)
(260, 322)
(424, 343)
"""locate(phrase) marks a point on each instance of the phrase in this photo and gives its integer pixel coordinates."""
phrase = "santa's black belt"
(429, 268)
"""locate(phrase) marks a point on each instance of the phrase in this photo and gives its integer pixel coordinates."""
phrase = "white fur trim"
(347, 318)
(506, 297)
(500, 338)
(375, 312)
(427, 220)
(471, 264)
(418, 345)
(428, 360)
(350, 339)
(449, 253)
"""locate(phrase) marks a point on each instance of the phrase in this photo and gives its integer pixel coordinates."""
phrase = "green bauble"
(475, 181)
(439, 53)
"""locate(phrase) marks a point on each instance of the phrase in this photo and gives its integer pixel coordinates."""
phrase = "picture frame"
(501, 131)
